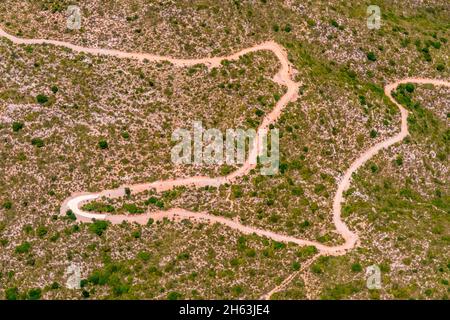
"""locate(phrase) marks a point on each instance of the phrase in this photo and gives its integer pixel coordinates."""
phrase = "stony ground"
(57, 107)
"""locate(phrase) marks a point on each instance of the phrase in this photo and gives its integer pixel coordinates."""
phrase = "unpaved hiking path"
(285, 77)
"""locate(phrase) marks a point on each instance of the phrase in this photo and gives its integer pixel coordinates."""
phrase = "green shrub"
(41, 231)
(251, 253)
(374, 168)
(183, 256)
(54, 237)
(143, 255)
(41, 98)
(316, 268)
(319, 188)
(37, 142)
(55, 285)
(34, 294)
(12, 293)
(236, 191)
(274, 218)
(440, 67)
(297, 191)
(112, 275)
(409, 87)
(98, 227)
(151, 200)
(278, 245)
(173, 295)
(225, 169)
(100, 207)
(237, 290)
(259, 112)
(371, 56)
(307, 251)
(7, 205)
(356, 267)
(426, 55)
(341, 291)
(136, 234)
(154, 201)
(17, 126)
(436, 44)
(132, 18)
(311, 22)
(71, 215)
(305, 224)
(24, 247)
(103, 144)
(132, 208)
(28, 229)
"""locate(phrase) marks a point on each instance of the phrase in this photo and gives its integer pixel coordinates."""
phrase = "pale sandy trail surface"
(285, 77)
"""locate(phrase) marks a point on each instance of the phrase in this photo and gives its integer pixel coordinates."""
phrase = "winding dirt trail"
(344, 183)
(285, 77)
